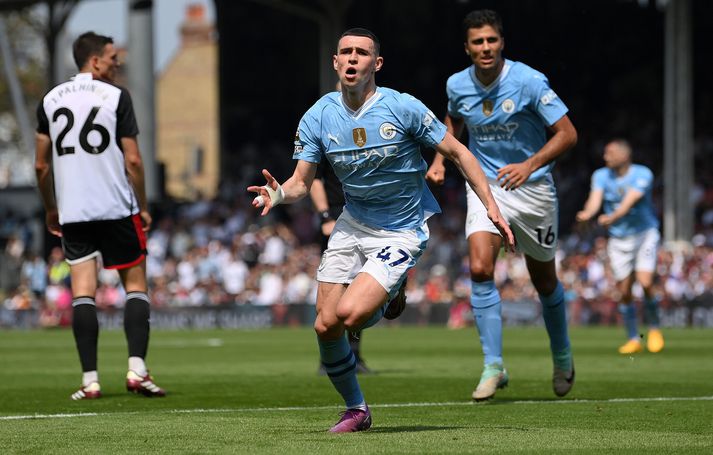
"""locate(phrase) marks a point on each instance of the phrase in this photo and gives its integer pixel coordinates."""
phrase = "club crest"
(508, 106)
(359, 135)
(387, 131)
(487, 107)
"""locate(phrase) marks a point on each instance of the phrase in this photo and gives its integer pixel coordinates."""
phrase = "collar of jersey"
(83, 77)
(619, 177)
(501, 76)
(356, 115)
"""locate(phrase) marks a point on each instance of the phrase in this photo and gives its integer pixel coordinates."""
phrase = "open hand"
(263, 197)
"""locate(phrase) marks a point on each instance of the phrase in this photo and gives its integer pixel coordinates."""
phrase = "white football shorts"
(633, 253)
(532, 211)
(386, 255)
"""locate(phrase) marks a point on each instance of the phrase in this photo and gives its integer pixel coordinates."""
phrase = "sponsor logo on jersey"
(488, 107)
(387, 131)
(493, 132)
(298, 143)
(428, 118)
(508, 106)
(359, 136)
(350, 160)
(548, 97)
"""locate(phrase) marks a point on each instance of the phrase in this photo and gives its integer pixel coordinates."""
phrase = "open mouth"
(351, 72)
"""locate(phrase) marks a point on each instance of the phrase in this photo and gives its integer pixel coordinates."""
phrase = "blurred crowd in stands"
(218, 253)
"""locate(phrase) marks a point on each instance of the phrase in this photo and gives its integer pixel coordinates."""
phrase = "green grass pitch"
(258, 392)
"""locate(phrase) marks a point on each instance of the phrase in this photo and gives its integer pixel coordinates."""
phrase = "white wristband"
(276, 196)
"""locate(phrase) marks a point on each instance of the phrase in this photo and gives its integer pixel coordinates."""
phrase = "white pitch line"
(50, 416)
(385, 405)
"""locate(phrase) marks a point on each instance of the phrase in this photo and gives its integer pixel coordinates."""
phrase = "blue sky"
(109, 17)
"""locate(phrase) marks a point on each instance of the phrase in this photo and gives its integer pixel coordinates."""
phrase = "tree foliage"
(25, 29)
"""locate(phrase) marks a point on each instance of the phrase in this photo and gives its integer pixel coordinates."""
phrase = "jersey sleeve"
(125, 120)
(420, 122)
(308, 146)
(643, 180)
(598, 179)
(450, 92)
(546, 103)
(43, 124)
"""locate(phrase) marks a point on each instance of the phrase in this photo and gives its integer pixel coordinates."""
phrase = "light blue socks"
(628, 313)
(485, 301)
(555, 315)
(340, 364)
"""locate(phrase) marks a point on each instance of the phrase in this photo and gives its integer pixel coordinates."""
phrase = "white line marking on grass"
(385, 405)
(50, 416)
(614, 400)
(210, 342)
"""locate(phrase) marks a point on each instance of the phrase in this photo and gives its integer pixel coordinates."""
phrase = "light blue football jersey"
(642, 215)
(506, 120)
(375, 154)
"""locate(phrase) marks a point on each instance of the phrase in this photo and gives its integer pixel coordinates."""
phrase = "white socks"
(88, 377)
(138, 366)
(360, 406)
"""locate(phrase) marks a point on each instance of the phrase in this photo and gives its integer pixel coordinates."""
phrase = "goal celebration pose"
(370, 135)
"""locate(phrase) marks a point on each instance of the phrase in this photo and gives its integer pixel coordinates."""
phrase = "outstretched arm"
(564, 138)
(592, 206)
(437, 171)
(294, 188)
(466, 163)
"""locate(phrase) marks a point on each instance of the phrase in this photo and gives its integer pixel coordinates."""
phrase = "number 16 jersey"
(86, 119)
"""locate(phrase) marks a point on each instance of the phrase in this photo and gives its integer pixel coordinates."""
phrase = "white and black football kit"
(98, 210)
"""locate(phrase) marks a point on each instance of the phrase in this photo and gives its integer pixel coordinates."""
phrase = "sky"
(110, 17)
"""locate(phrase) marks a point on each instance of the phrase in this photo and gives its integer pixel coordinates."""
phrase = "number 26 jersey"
(86, 119)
